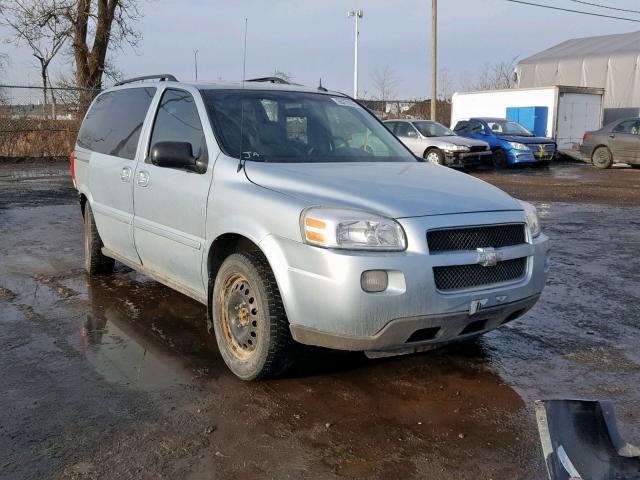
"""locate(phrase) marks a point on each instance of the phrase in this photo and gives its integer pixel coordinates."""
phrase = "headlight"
(532, 218)
(351, 230)
(518, 146)
(456, 148)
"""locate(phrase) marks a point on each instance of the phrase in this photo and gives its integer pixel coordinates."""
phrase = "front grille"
(535, 147)
(471, 238)
(478, 148)
(459, 277)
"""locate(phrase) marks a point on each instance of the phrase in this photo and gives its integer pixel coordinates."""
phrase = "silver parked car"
(437, 144)
(617, 142)
(297, 217)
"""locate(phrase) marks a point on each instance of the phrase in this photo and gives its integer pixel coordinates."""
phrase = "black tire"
(255, 342)
(602, 158)
(95, 263)
(434, 155)
(499, 158)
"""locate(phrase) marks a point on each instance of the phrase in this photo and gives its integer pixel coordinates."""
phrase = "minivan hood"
(392, 189)
(525, 140)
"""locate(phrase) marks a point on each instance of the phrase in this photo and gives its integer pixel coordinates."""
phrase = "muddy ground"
(114, 378)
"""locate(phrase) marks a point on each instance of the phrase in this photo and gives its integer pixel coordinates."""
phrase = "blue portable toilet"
(532, 118)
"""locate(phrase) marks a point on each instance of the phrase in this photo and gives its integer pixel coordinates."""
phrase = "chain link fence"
(38, 123)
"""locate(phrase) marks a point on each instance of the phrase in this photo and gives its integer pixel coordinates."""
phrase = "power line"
(605, 6)
(573, 11)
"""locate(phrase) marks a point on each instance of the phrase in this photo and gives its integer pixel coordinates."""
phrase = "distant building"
(611, 62)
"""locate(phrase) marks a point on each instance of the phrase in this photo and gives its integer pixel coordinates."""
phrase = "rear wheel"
(602, 157)
(434, 156)
(499, 159)
(251, 327)
(95, 263)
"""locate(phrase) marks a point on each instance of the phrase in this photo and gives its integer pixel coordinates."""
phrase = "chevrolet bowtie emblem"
(487, 257)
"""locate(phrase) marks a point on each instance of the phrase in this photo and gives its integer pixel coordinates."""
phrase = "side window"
(177, 120)
(475, 128)
(628, 126)
(403, 129)
(461, 126)
(114, 122)
(390, 126)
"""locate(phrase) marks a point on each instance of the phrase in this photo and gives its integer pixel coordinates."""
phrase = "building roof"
(605, 45)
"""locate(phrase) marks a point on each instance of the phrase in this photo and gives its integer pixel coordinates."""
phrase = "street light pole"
(195, 61)
(434, 54)
(358, 15)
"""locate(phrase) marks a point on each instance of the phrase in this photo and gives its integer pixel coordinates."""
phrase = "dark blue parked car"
(510, 142)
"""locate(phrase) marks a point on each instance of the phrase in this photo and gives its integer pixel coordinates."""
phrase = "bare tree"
(36, 24)
(446, 85)
(97, 27)
(492, 76)
(384, 83)
(286, 76)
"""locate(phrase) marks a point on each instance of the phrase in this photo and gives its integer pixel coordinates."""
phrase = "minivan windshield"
(507, 127)
(275, 126)
(433, 129)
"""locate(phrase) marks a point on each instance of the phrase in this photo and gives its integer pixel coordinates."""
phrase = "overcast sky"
(313, 39)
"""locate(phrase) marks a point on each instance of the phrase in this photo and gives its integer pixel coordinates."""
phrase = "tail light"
(72, 167)
(585, 137)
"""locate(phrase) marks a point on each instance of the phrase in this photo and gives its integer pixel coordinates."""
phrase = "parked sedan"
(616, 142)
(510, 142)
(437, 144)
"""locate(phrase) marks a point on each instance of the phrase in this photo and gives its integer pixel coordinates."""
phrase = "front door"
(410, 137)
(170, 203)
(109, 140)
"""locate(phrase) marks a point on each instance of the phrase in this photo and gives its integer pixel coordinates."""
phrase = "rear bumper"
(412, 334)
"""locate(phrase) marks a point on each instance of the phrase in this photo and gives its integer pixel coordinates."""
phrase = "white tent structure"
(611, 62)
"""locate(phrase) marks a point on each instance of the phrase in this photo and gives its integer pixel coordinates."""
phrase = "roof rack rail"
(278, 80)
(161, 77)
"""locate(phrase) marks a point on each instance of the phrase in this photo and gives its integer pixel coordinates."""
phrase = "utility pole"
(195, 61)
(434, 55)
(358, 15)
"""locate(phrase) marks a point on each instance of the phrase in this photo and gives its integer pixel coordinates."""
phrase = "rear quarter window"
(114, 122)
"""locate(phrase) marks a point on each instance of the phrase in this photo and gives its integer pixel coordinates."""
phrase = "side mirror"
(176, 155)
(411, 134)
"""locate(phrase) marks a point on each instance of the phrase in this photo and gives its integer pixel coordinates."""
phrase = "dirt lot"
(114, 378)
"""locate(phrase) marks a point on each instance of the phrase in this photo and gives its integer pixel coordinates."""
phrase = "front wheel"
(499, 159)
(434, 156)
(602, 157)
(251, 327)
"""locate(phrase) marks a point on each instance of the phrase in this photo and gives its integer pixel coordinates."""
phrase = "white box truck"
(569, 111)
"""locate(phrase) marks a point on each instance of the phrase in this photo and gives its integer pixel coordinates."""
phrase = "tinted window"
(390, 125)
(177, 120)
(275, 126)
(628, 126)
(113, 124)
(472, 127)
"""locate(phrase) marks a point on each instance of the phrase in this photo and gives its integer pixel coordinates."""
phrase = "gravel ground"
(115, 378)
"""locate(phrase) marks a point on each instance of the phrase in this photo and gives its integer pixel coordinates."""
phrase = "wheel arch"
(224, 245)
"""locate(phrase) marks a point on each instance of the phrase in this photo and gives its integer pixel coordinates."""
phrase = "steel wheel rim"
(239, 316)
(602, 156)
(433, 158)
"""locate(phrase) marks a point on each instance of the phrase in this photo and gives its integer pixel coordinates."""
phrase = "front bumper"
(326, 305)
(526, 156)
(468, 159)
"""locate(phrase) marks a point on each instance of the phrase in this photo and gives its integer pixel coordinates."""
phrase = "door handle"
(612, 135)
(143, 178)
(125, 174)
